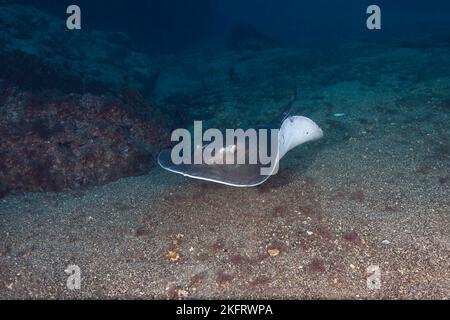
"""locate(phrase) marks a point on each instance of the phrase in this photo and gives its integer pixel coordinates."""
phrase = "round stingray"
(244, 175)
(294, 131)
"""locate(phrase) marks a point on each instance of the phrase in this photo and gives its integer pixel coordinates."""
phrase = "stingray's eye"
(307, 132)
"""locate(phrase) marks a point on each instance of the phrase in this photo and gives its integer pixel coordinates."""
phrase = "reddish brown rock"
(53, 142)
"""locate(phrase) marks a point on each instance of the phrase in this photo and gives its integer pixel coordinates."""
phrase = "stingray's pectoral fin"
(245, 175)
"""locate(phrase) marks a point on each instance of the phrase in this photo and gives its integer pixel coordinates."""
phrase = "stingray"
(292, 132)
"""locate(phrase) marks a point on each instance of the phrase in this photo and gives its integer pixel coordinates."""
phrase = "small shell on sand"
(273, 252)
(172, 256)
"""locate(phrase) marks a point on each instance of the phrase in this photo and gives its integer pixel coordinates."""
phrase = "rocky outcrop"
(37, 47)
(54, 142)
(67, 119)
(248, 37)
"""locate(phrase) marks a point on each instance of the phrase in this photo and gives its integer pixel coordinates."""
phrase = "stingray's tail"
(287, 110)
(295, 90)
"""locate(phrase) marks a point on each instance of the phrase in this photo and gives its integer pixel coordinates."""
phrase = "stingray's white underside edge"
(212, 180)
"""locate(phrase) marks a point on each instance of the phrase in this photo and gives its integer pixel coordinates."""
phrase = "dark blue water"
(171, 25)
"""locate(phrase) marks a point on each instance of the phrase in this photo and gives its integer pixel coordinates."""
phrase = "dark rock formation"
(66, 120)
(38, 52)
(53, 142)
(248, 37)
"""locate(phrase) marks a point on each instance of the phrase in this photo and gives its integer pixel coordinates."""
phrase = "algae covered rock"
(54, 142)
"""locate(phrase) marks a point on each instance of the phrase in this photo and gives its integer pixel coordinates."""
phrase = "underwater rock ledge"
(37, 52)
(54, 142)
(67, 116)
